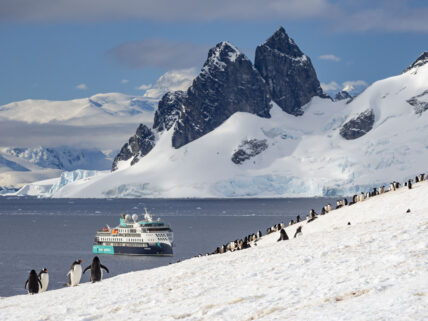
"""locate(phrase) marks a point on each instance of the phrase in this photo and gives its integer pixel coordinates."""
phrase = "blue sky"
(69, 49)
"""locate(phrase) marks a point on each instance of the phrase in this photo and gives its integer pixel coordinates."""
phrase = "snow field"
(374, 269)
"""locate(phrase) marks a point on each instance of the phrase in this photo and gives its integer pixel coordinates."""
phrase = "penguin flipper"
(41, 286)
(105, 268)
(25, 286)
(87, 268)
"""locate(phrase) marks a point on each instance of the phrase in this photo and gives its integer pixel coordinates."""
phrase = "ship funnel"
(127, 218)
(135, 218)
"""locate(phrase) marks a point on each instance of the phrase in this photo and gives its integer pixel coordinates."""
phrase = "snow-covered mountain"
(374, 268)
(214, 141)
(40, 138)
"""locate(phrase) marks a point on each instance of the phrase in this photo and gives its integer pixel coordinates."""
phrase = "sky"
(63, 49)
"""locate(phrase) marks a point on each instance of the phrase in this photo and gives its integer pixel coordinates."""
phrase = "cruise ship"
(135, 237)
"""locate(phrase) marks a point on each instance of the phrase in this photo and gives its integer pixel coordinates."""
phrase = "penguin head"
(33, 272)
(96, 260)
(44, 270)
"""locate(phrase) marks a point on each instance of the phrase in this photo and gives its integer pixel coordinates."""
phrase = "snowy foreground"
(374, 269)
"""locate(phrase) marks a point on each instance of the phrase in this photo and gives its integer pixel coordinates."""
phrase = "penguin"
(298, 231)
(408, 210)
(33, 283)
(323, 211)
(96, 272)
(282, 235)
(75, 273)
(345, 201)
(409, 184)
(298, 219)
(44, 279)
(416, 179)
(291, 222)
(349, 223)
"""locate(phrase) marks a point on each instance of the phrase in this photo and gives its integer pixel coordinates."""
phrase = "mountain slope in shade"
(305, 156)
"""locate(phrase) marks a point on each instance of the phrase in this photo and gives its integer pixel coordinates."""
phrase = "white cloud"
(329, 57)
(173, 80)
(145, 87)
(354, 85)
(81, 87)
(124, 81)
(162, 10)
(159, 53)
(331, 86)
(349, 86)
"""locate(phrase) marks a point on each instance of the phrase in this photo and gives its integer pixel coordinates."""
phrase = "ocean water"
(52, 233)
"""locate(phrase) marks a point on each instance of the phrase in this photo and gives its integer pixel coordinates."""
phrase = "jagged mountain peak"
(420, 61)
(281, 42)
(221, 55)
(288, 72)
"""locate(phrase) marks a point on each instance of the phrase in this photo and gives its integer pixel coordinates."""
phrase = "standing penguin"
(75, 273)
(96, 272)
(44, 279)
(282, 235)
(409, 184)
(33, 283)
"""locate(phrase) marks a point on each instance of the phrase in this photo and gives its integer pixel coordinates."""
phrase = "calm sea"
(52, 233)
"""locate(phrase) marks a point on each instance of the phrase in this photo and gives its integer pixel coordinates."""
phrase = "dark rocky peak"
(281, 42)
(228, 83)
(169, 110)
(341, 95)
(138, 146)
(288, 72)
(422, 60)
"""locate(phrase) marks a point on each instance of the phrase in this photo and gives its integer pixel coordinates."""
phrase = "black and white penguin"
(291, 222)
(75, 273)
(44, 279)
(323, 211)
(298, 231)
(298, 219)
(259, 234)
(96, 272)
(409, 183)
(32, 283)
(282, 235)
(345, 201)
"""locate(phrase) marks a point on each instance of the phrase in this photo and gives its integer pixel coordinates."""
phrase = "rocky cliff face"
(358, 126)
(228, 83)
(288, 72)
(138, 146)
(169, 110)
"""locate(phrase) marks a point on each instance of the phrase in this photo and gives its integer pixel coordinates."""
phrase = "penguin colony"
(39, 283)
(251, 239)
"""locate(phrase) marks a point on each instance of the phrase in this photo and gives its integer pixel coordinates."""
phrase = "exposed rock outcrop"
(248, 149)
(420, 104)
(169, 110)
(358, 126)
(138, 146)
(289, 74)
(342, 95)
(422, 60)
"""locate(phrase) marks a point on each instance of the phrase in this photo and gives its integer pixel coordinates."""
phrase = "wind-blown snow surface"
(306, 156)
(374, 269)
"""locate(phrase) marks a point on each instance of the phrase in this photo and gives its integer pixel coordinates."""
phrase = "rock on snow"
(374, 269)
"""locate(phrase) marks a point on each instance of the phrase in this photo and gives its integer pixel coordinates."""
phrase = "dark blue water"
(52, 233)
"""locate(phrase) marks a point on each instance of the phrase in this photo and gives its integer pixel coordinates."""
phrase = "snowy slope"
(305, 156)
(373, 269)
